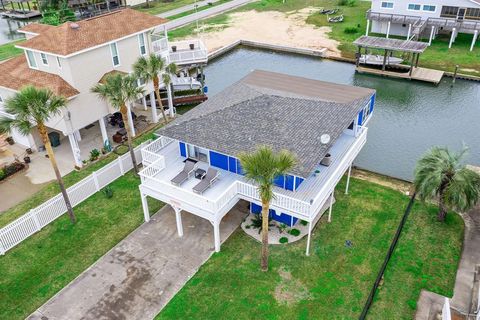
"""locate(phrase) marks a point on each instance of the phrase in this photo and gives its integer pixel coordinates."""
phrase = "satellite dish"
(325, 138)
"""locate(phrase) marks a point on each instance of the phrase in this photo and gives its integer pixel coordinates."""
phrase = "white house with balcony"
(71, 58)
(193, 165)
(425, 18)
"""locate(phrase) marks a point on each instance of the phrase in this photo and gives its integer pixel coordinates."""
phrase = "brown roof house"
(71, 58)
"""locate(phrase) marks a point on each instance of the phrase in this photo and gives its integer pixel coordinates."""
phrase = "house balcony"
(163, 161)
(185, 52)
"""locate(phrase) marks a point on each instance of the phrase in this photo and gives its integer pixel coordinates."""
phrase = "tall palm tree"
(150, 68)
(262, 167)
(32, 107)
(170, 70)
(440, 174)
(118, 90)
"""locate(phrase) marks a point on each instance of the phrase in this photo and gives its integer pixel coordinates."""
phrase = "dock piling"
(455, 75)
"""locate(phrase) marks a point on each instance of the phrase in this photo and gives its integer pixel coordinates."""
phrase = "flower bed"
(11, 169)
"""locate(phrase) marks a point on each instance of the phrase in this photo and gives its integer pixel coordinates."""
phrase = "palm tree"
(440, 174)
(150, 68)
(170, 71)
(118, 90)
(32, 107)
(262, 167)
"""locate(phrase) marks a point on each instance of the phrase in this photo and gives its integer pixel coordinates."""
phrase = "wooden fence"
(37, 218)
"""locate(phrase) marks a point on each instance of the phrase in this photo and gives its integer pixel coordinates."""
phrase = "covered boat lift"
(414, 48)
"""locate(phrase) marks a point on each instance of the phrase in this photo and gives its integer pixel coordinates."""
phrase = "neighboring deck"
(418, 73)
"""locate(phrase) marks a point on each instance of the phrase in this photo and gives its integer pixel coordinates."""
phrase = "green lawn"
(35, 270)
(8, 50)
(334, 281)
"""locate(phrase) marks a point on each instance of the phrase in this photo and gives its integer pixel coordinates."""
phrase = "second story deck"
(185, 52)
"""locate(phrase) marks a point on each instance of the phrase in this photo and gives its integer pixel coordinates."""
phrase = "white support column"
(178, 217)
(146, 211)
(103, 130)
(348, 178)
(368, 28)
(75, 150)
(307, 252)
(409, 31)
(432, 33)
(452, 38)
(170, 102)
(216, 235)
(388, 29)
(78, 136)
(130, 119)
(153, 104)
(330, 209)
(475, 36)
(144, 101)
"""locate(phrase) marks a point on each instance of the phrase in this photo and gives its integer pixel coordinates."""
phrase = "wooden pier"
(418, 73)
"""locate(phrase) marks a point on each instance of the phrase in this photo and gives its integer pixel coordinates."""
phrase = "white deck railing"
(150, 153)
(37, 218)
(185, 55)
(159, 44)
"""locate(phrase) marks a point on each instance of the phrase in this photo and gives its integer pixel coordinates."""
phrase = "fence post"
(2, 248)
(119, 159)
(33, 214)
(95, 179)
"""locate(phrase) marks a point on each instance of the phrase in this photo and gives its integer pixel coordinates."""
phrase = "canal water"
(8, 29)
(410, 117)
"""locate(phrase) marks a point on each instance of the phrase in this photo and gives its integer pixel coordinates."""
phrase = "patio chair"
(207, 181)
(188, 168)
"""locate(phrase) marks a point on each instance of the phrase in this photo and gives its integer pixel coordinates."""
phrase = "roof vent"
(74, 26)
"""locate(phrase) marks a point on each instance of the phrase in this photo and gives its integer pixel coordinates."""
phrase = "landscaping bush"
(303, 222)
(283, 240)
(350, 30)
(10, 169)
(294, 232)
(348, 3)
(94, 154)
(108, 192)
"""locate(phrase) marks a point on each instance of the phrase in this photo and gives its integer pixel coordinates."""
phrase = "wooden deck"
(419, 74)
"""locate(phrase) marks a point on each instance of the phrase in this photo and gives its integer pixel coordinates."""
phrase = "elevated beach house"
(425, 18)
(71, 58)
(193, 165)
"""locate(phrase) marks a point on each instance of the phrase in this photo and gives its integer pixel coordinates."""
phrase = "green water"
(409, 118)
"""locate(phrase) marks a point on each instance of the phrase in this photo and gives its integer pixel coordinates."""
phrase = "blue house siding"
(219, 160)
(232, 164)
(372, 103)
(298, 181)
(280, 181)
(183, 149)
(282, 218)
(290, 182)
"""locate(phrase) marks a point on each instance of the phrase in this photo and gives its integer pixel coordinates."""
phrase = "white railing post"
(33, 214)
(95, 180)
(446, 312)
(120, 163)
(2, 248)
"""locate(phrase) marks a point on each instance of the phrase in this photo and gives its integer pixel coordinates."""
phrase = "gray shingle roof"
(285, 115)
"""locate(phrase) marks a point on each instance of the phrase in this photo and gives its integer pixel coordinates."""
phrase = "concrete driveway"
(138, 277)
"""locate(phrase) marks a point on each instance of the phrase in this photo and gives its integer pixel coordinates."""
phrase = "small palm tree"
(150, 68)
(170, 70)
(32, 107)
(262, 167)
(440, 174)
(118, 90)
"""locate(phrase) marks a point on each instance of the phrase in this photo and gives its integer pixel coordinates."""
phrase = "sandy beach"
(287, 29)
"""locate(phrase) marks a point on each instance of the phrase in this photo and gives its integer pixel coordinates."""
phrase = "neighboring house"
(71, 58)
(313, 119)
(425, 18)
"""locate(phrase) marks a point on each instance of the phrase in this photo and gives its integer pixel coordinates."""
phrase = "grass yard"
(8, 50)
(46, 262)
(334, 281)
(157, 7)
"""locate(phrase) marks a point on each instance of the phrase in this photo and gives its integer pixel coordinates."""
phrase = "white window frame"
(29, 61)
(114, 44)
(387, 3)
(59, 64)
(44, 58)
(141, 38)
(429, 5)
(414, 4)
(366, 114)
(141, 82)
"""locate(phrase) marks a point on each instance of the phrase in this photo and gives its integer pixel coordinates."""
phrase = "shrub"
(3, 174)
(94, 154)
(108, 192)
(350, 30)
(303, 222)
(294, 232)
(348, 3)
(283, 240)
(10, 169)
(257, 222)
(282, 227)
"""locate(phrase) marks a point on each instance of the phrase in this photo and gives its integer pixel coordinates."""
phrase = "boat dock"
(418, 73)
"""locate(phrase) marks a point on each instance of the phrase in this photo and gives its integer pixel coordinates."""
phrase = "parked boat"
(375, 59)
(336, 19)
(186, 83)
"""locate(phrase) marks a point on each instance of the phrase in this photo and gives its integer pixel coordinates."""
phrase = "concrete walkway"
(430, 304)
(206, 13)
(138, 277)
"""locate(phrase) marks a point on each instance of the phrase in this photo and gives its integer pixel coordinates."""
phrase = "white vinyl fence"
(37, 218)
